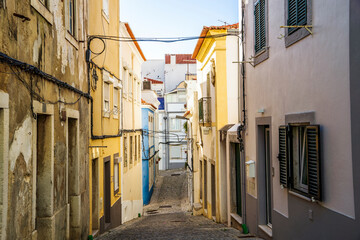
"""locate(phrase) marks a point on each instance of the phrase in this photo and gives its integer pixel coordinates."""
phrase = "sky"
(174, 18)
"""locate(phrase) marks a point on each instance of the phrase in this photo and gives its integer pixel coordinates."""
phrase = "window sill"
(266, 229)
(43, 11)
(261, 56)
(296, 36)
(72, 40)
(300, 196)
(106, 115)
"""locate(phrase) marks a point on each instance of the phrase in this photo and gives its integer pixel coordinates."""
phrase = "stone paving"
(168, 216)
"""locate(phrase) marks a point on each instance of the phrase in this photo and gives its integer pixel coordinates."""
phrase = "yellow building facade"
(216, 107)
(131, 58)
(105, 118)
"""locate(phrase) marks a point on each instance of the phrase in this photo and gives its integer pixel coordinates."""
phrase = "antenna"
(223, 22)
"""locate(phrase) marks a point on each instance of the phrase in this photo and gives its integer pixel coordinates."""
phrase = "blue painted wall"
(146, 154)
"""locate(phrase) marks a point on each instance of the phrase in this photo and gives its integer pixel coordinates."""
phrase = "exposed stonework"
(37, 196)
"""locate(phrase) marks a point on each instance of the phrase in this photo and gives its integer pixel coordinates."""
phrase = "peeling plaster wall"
(43, 41)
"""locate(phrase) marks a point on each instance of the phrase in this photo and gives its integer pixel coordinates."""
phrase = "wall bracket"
(300, 26)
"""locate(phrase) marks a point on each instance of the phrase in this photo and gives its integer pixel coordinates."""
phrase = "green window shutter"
(313, 154)
(297, 14)
(260, 27)
(201, 111)
(283, 156)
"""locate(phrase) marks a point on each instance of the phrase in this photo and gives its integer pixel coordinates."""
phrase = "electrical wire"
(160, 39)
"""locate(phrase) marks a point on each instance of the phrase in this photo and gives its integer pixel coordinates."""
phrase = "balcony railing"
(205, 110)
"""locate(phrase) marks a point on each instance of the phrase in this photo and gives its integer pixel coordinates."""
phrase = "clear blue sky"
(174, 18)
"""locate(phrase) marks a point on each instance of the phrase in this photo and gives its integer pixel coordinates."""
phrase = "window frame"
(43, 9)
(130, 85)
(300, 33)
(106, 9)
(302, 188)
(125, 152)
(262, 54)
(116, 163)
(45, 3)
(125, 81)
(131, 161)
(116, 108)
(71, 18)
(139, 147)
(286, 160)
(106, 99)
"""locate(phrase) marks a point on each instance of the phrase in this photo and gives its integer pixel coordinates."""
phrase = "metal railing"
(205, 110)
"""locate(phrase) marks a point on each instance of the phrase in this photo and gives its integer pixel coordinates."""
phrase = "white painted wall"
(162, 147)
(175, 73)
(316, 80)
(153, 69)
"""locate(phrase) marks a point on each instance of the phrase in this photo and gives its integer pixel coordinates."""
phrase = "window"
(136, 151)
(182, 97)
(106, 99)
(297, 14)
(116, 103)
(139, 92)
(131, 150)
(130, 84)
(125, 152)
(71, 17)
(260, 28)
(125, 80)
(135, 89)
(43, 7)
(45, 3)
(174, 124)
(116, 173)
(139, 147)
(106, 7)
(299, 159)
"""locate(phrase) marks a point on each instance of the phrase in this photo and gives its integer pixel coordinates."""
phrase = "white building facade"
(301, 153)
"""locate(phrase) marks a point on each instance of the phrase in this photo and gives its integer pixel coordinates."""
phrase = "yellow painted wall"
(214, 49)
(100, 24)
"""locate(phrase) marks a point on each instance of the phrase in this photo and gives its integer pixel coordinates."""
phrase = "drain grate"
(175, 174)
(165, 206)
(151, 211)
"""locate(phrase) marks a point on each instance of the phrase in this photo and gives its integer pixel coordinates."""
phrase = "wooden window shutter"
(297, 14)
(283, 156)
(313, 156)
(259, 16)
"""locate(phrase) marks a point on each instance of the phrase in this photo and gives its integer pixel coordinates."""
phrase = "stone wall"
(38, 198)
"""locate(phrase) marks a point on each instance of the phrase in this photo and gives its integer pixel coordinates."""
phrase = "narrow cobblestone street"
(168, 216)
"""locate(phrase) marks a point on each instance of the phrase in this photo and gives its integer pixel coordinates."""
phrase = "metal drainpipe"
(239, 78)
(244, 111)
